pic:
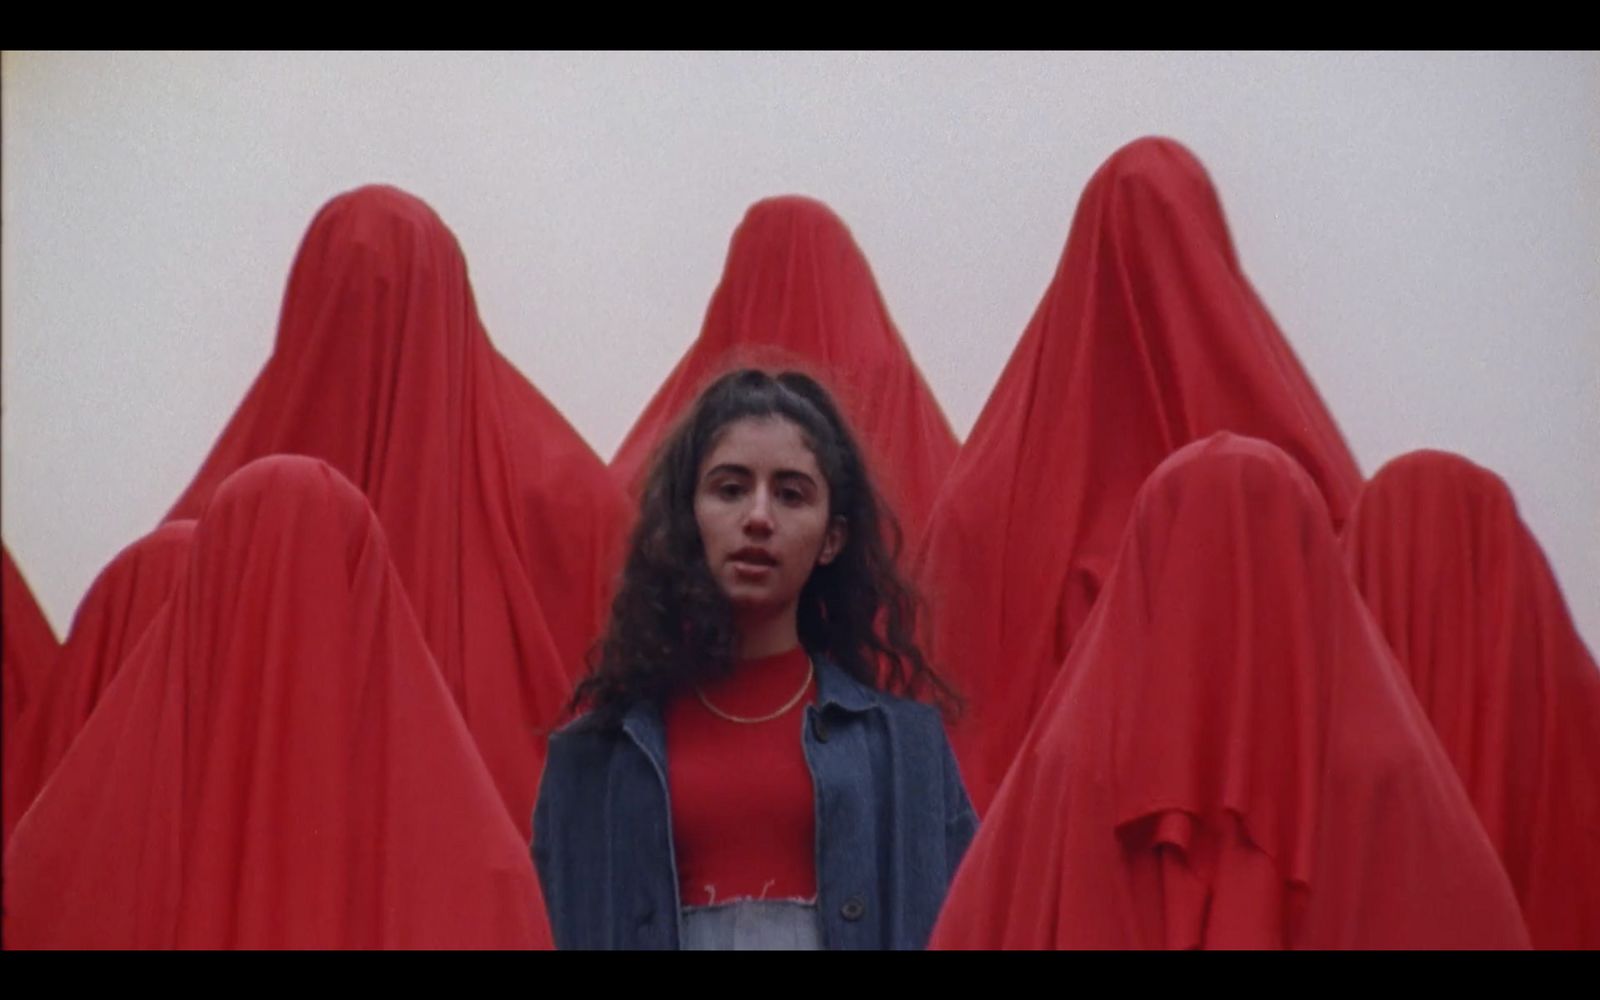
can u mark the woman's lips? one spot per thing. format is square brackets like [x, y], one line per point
[752, 564]
[751, 571]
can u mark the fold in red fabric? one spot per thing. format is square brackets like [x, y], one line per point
[1149, 337]
[29, 649]
[1230, 757]
[278, 764]
[1468, 602]
[504, 525]
[110, 619]
[796, 292]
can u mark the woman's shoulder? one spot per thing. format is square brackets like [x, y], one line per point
[911, 708]
[591, 725]
[587, 735]
[575, 753]
[838, 687]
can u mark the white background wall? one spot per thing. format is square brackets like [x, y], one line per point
[1425, 228]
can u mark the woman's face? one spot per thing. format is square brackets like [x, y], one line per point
[762, 506]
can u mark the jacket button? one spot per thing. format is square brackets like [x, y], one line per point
[819, 728]
[646, 912]
[853, 908]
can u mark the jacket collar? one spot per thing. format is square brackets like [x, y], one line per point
[835, 689]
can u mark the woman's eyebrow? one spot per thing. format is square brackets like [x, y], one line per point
[795, 474]
[734, 469]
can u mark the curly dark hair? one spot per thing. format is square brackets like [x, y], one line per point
[671, 625]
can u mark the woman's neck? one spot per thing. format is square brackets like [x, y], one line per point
[767, 636]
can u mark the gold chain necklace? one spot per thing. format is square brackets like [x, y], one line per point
[811, 669]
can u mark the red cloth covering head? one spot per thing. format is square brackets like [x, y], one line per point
[797, 293]
[30, 645]
[503, 524]
[113, 614]
[278, 764]
[1471, 609]
[1148, 337]
[1230, 757]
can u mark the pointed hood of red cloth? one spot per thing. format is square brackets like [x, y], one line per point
[796, 292]
[1230, 757]
[111, 617]
[1468, 602]
[279, 763]
[30, 645]
[1149, 337]
[502, 522]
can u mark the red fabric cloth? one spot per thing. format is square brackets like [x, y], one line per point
[278, 764]
[796, 292]
[30, 646]
[1230, 757]
[112, 616]
[1471, 609]
[504, 525]
[1148, 337]
[109, 621]
[743, 803]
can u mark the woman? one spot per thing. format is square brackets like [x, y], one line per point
[1150, 336]
[113, 614]
[503, 524]
[30, 644]
[752, 771]
[1229, 758]
[1461, 588]
[278, 763]
[796, 291]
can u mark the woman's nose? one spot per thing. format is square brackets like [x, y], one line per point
[758, 516]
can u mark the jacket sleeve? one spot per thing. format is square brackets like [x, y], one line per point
[961, 821]
[551, 831]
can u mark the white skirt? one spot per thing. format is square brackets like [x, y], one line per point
[752, 925]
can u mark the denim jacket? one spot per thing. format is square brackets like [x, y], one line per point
[893, 821]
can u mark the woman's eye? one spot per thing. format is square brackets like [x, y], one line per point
[792, 495]
[729, 491]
